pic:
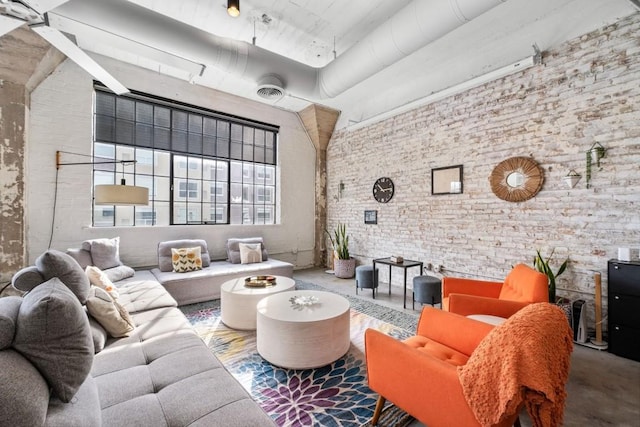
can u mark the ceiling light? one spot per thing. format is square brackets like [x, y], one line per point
[233, 8]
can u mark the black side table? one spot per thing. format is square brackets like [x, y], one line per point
[407, 263]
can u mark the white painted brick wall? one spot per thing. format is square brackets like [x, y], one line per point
[587, 90]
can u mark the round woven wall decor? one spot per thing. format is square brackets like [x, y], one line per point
[516, 179]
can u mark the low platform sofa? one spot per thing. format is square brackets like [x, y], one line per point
[205, 284]
[60, 368]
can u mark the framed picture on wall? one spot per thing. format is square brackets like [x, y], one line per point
[370, 217]
[447, 180]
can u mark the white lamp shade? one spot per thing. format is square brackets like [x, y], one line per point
[120, 194]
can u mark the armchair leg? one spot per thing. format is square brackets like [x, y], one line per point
[378, 410]
[517, 423]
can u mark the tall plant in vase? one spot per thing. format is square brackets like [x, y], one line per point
[542, 265]
[343, 265]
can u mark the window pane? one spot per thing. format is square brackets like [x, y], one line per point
[179, 212]
[161, 188]
[144, 135]
[161, 138]
[180, 166]
[195, 144]
[195, 123]
[144, 113]
[124, 132]
[124, 216]
[145, 215]
[180, 120]
[105, 129]
[103, 216]
[105, 104]
[236, 193]
[125, 109]
[179, 141]
[236, 172]
[162, 212]
[161, 116]
[162, 162]
[236, 214]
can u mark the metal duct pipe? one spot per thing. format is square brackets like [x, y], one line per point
[414, 26]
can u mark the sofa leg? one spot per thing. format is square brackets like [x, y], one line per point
[378, 410]
[517, 423]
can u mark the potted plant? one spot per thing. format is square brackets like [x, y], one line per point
[343, 265]
[542, 265]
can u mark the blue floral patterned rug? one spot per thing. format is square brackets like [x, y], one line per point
[334, 395]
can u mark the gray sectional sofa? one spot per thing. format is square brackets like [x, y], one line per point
[61, 368]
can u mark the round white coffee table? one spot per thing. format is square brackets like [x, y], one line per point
[238, 302]
[299, 336]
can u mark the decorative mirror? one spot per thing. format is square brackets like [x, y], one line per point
[516, 179]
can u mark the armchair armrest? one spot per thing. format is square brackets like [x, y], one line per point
[470, 304]
[441, 326]
[483, 288]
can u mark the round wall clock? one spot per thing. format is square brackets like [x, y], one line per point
[383, 189]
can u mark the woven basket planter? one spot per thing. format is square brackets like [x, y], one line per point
[344, 268]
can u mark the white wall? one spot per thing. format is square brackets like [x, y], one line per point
[61, 119]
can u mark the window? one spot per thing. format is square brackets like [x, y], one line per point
[201, 166]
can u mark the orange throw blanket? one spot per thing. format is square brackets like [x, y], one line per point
[526, 359]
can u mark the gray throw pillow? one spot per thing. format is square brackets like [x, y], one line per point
[9, 307]
[54, 263]
[121, 272]
[27, 278]
[53, 333]
[83, 256]
[233, 248]
[105, 253]
[24, 397]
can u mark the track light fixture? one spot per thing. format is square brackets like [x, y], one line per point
[233, 8]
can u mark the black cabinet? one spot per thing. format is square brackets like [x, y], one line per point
[624, 308]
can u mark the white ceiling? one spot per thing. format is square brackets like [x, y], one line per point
[308, 31]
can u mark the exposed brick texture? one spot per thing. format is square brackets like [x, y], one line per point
[586, 91]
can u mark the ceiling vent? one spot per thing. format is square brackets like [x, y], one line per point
[270, 87]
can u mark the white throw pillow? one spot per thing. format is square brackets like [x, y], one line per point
[113, 317]
[100, 279]
[250, 253]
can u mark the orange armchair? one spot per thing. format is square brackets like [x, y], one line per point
[522, 286]
[456, 371]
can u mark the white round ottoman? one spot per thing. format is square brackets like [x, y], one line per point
[238, 302]
[294, 335]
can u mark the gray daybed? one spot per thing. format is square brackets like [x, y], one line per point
[205, 284]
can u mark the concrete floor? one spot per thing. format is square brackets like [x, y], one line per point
[603, 389]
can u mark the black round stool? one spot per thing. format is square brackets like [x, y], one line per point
[365, 278]
[426, 290]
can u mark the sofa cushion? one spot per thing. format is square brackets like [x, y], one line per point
[27, 278]
[121, 272]
[233, 249]
[141, 295]
[25, 394]
[186, 259]
[9, 308]
[83, 256]
[98, 334]
[54, 263]
[53, 334]
[105, 253]
[111, 315]
[250, 253]
[164, 252]
[83, 410]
